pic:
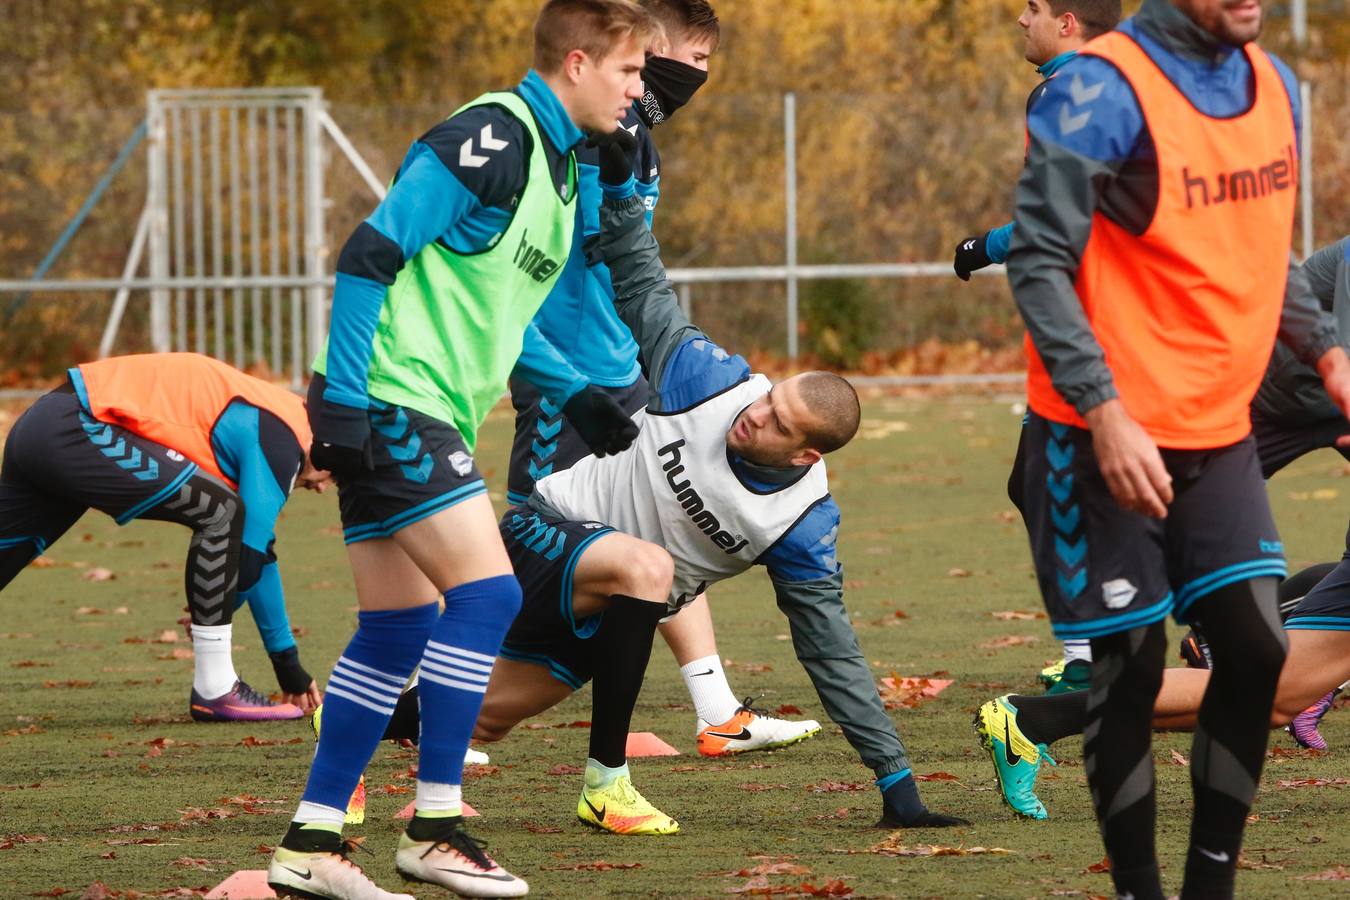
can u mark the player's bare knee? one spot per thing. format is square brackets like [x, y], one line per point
[492, 726]
[648, 572]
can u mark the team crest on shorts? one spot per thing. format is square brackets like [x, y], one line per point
[175, 456]
[1118, 593]
[461, 462]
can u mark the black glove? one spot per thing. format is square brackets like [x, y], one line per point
[343, 462]
[341, 437]
[600, 421]
[971, 254]
[616, 149]
[290, 674]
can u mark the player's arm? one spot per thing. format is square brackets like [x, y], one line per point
[982, 250]
[439, 187]
[809, 585]
[265, 457]
[1084, 132]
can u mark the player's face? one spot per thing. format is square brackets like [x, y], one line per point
[1040, 29]
[696, 52]
[607, 88]
[1231, 21]
[769, 432]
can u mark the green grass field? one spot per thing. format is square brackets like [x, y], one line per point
[104, 778]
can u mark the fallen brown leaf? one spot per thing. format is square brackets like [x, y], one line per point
[1099, 868]
[746, 666]
[754, 787]
[30, 664]
[98, 574]
[894, 845]
[1314, 782]
[1011, 640]
[598, 866]
[542, 829]
[958, 573]
[835, 787]
[42, 562]
[787, 709]
[167, 636]
[1340, 873]
[1017, 615]
[1177, 759]
[564, 769]
[937, 776]
[70, 683]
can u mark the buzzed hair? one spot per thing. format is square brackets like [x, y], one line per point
[1096, 17]
[834, 404]
[686, 19]
[594, 27]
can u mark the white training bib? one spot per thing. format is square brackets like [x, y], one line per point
[675, 488]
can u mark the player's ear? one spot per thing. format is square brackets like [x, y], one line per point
[574, 63]
[807, 456]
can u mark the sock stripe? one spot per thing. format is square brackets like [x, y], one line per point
[456, 661]
[470, 655]
[453, 683]
[453, 671]
[364, 685]
[383, 709]
[395, 680]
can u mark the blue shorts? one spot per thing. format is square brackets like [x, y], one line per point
[1327, 606]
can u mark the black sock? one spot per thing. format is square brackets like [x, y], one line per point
[428, 828]
[622, 647]
[1118, 753]
[406, 722]
[1046, 718]
[311, 840]
[1248, 646]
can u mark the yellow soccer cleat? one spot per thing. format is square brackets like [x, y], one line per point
[356, 805]
[618, 807]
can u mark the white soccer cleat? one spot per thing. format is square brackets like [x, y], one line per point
[323, 876]
[750, 730]
[457, 861]
[474, 757]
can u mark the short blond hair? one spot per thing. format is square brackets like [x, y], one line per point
[594, 27]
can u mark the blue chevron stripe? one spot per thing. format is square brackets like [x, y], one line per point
[133, 461]
[1060, 488]
[1059, 430]
[1072, 587]
[421, 473]
[1059, 455]
[394, 429]
[546, 431]
[1071, 554]
[150, 472]
[543, 451]
[1066, 523]
[548, 408]
[537, 472]
[540, 540]
[559, 544]
[408, 451]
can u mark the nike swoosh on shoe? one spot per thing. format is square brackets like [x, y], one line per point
[744, 735]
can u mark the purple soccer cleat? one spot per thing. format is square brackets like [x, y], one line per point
[241, 704]
[1304, 726]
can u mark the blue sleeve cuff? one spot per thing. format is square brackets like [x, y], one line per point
[620, 191]
[996, 243]
[893, 779]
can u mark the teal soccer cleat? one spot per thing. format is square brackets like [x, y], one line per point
[1017, 761]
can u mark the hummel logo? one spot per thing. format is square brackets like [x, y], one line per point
[598, 813]
[1217, 857]
[744, 734]
[968, 245]
[307, 875]
[1009, 754]
[471, 160]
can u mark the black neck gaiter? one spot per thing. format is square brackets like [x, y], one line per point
[669, 84]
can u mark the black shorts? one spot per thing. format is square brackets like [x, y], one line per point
[60, 461]
[545, 441]
[1104, 570]
[544, 551]
[1280, 443]
[422, 467]
[1327, 606]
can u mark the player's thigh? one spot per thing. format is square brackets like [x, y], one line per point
[30, 522]
[387, 578]
[1318, 662]
[516, 691]
[617, 563]
[457, 545]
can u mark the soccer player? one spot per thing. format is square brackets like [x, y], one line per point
[435, 293]
[726, 472]
[1150, 264]
[1053, 30]
[174, 437]
[587, 350]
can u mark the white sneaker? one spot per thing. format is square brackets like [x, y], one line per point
[323, 876]
[474, 757]
[751, 730]
[458, 862]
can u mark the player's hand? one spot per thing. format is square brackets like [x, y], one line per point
[615, 148]
[308, 700]
[341, 439]
[600, 421]
[292, 677]
[971, 254]
[342, 462]
[1129, 461]
[1334, 367]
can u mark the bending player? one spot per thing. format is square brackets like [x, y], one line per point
[1153, 295]
[182, 438]
[726, 473]
[1053, 30]
[435, 293]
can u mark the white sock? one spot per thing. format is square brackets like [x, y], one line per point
[708, 688]
[1076, 650]
[213, 661]
[433, 796]
[599, 775]
[315, 814]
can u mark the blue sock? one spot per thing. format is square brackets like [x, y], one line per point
[455, 670]
[361, 694]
